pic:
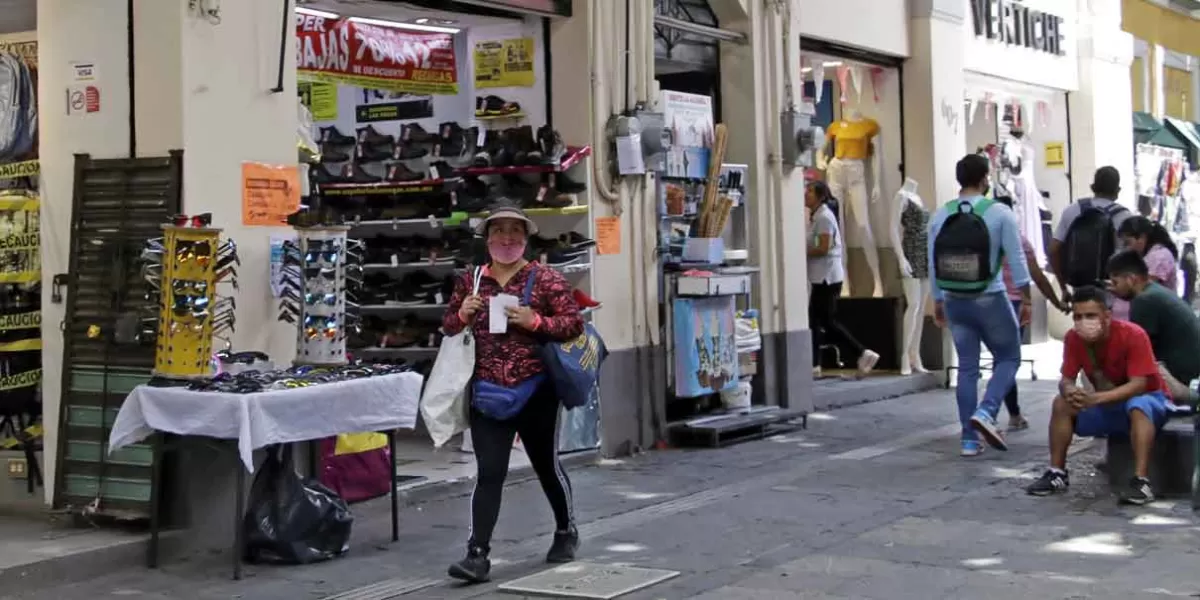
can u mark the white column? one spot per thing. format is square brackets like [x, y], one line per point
[935, 125]
[1194, 69]
[754, 80]
[1158, 81]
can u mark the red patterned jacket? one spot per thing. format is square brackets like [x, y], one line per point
[509, 358]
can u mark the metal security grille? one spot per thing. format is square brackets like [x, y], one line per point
[118, 205]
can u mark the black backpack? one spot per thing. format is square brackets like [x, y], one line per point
[1091, 240]
[962, 250]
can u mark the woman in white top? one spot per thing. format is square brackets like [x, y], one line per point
[826, 275]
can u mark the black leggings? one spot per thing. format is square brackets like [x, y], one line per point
[822, 318]
[1010, 399]
[537, 424]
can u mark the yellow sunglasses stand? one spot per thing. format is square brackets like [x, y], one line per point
[187, 299]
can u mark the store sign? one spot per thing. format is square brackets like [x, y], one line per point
[375, 56]
[1015, 24]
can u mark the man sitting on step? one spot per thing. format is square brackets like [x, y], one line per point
[1173, 328]
[1130, 398]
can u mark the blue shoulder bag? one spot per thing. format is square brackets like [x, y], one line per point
[574, 365]
[500, 402]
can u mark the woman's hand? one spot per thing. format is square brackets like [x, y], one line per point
[470, 307]
[522, 316]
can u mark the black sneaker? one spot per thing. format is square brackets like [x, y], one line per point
[416, 134]
[351, 173]
[368, 136]
[475, 568]
[566, 543]
[332, 137]
[1051, 482]
[403, 151]
[1139, 493]
[551, 145]
[374, 153]
[330, 155]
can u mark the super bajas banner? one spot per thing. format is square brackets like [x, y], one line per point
[375, 56]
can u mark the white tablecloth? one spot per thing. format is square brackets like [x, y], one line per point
[274, 417]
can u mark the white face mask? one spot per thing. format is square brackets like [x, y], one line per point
[1089, 329]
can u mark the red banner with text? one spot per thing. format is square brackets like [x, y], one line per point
[375, 56]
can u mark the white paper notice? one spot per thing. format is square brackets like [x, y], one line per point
[497, 320]
[629, 155]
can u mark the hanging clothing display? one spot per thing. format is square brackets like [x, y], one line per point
[1017, 159]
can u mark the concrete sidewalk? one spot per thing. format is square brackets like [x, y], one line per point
[871, 502]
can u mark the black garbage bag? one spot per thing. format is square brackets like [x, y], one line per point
[293, 520]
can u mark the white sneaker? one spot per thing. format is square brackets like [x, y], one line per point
[866, 362]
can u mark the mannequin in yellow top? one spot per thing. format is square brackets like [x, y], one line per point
[856, 142]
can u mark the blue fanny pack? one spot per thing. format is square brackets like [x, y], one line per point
[502, 403]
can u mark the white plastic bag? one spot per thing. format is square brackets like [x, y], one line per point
[444, 400]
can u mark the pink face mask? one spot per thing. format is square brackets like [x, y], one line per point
[506, 252]
[1089, 329]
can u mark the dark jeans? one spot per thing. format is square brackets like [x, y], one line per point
[822, 318]
[1010, 400]
[537, 424]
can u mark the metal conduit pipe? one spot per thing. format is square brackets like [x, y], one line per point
[600, 108]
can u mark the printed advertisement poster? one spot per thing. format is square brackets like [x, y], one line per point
[689, 119]
[269, 193]
[504, 63]
[706, 359]
[375, 56]
[321, 100]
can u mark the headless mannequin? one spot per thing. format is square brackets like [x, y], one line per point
[851, 159]
[910, 238]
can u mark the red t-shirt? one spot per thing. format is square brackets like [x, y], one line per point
[1127, 353]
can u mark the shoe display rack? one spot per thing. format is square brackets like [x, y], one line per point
[414, 219]
[184, 268]
[319, 269]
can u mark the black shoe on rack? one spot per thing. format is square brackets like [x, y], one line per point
[415, 134]
[372, 153]
[495, 106]
[329, 154]
[405, 151]
[548, 197]
[564, 547]
[351, 173]
[330, 136]
[399, 172]
[441, 170]
[321, 175]
[567, 185]
[523, 146]
[369, 137]
[551, 145]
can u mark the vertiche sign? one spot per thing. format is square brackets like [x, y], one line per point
[1015, 24]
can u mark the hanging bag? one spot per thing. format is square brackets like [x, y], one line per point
[574, 365]
[443, 402]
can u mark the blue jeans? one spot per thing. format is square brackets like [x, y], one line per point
[988, 319]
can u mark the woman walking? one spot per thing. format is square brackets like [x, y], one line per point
[511, 392]
[1016, 421]
[825, 275]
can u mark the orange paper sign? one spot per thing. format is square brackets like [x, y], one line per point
[269, 193]
[608, 235]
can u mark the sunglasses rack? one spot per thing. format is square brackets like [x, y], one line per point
[318, 268]
[184, 268]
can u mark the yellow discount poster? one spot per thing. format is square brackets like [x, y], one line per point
[504, 63]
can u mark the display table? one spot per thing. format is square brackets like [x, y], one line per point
[383, 403]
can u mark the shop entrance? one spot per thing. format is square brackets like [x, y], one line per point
[438, 116]
[1025, 131]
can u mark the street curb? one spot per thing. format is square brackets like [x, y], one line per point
[96, 562]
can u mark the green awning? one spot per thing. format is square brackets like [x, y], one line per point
[1188, 131]
[1148, 130]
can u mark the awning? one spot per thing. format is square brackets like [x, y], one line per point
[1148, 130]
[1188, 131]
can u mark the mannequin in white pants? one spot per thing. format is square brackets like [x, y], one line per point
[856, 142]
[910, 238]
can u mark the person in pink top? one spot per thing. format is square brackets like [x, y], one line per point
[1015, 420]
[1152, 241]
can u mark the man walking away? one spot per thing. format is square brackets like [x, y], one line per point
[1172, 327]
[1130, 397]
[968, 239]
[1086, 236]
